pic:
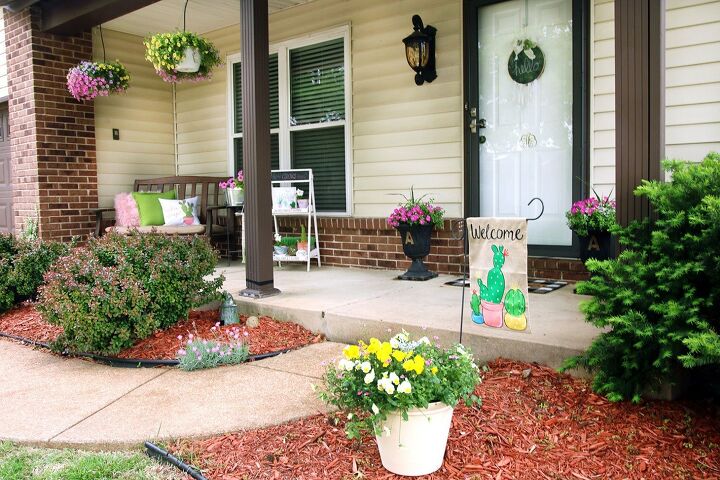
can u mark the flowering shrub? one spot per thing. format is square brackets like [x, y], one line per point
[120, 289]
[234, 182]
[198, 353]
[372, 380]
[166, 50]
[594, 213]
[417, 212]
[23, 264]
[89, 80]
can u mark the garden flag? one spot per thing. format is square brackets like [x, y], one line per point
[498, 272]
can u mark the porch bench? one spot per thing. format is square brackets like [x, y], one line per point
[206, 188]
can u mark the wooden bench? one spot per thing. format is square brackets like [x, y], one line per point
[206, 188]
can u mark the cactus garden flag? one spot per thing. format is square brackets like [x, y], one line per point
[498, 272]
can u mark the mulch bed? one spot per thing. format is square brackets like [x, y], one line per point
[269, 336]
[534, 424]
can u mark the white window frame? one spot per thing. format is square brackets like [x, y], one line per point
[284, 129]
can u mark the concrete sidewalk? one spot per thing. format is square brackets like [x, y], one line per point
[63, 402]
[349, 304]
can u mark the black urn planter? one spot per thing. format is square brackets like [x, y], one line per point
[597, 245]
[416, 246]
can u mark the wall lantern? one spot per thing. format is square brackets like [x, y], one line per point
[420, 51]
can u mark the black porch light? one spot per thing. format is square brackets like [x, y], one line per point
[420, 51]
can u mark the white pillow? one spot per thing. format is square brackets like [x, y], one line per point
[180, 212]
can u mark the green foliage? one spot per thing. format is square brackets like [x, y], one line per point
[378, 378]
[23, 264]
[303, 234]
[658, 302]
[495, 289]
[515, 302]
[166, 50]
[120, 289]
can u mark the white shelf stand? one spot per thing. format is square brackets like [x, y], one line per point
[300, 178]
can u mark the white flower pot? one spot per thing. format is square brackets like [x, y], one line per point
[190, 62]
[416, 446]
[235, 196]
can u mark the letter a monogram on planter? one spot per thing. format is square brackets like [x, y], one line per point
[498, 272]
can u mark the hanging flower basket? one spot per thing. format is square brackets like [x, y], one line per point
[181, 56]
[89, 80]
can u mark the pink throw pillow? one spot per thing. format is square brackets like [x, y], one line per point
[126, 211]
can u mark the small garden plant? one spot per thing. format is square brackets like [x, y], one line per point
[90, 80]
[166, 50]
[197, 353]
[376, 378]
[417, 211]
[658, 302]
[591, 214]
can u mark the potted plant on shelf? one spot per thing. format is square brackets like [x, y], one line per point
[181, 56]
[302, 244]
[278, 246]
[403, 392]
[234, 189]
[89, 80]
[415, 220]
[592, 219]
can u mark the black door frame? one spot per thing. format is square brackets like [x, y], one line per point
[581, 114]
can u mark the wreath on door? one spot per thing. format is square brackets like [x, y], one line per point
[527, 62]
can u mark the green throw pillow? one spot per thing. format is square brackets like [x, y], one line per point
[149, 206]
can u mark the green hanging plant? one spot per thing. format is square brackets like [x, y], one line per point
[167, 50]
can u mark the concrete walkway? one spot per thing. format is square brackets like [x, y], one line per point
[48, 400]
[349, 304]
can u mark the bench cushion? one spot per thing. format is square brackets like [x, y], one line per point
[161, 229]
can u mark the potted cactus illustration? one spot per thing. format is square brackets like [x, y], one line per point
[491, 294]
[188, 217]
[515, 310]
[477, 316]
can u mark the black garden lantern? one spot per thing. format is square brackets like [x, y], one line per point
[420, 51]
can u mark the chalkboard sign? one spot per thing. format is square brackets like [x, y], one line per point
[526, 65]
[290, 175]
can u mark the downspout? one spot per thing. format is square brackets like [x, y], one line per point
[176, 158]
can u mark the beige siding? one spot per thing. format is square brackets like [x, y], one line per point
[404, 135]
[144, 115]
[3, 59]
[692, 84]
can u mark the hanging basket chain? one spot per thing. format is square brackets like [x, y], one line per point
[185, 13]
[102, 41]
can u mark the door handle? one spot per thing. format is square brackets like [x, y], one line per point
[477, 123]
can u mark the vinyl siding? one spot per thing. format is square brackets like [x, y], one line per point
[403, 135]
[692, 61]
[144, 115]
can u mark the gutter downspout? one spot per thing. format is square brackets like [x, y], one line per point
[176, 158]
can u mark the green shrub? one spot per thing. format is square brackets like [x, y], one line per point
[23, 263]
[120, 289]
[659, 300]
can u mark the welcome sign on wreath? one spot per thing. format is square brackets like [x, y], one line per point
[527, 62]
[498, 272]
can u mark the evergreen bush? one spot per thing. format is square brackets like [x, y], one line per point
[120, 289]
[659, 301]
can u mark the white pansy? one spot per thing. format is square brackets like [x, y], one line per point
[365, 367]
[375, 409]
[404, 387]
[385, 384]
[398, 340]
[425, 340]
[394, 378]
[370, 377]
[345, 364]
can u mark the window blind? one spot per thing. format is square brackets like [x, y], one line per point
[274, 152]
[323, 150]
[274, 93]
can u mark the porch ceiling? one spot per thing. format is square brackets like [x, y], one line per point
[202, 16]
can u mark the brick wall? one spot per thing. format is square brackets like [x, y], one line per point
[371, 243]
[52, 145]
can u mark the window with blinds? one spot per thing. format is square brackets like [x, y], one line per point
[312, 96]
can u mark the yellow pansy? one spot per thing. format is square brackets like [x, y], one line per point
[351, 352]
[434, 370]
[399, 355]
[374, 345]
[416, 364]
[384, 351]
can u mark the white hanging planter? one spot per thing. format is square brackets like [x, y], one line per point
[190, 62]
[416, 446]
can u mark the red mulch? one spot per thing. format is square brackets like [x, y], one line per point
[269, 336]
[542, 426]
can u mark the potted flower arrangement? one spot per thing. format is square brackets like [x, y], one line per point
[592, 219]
[415, 220]
[89, 80]
[278, 246]
[404, 393]
[181, 56]
[234, 189]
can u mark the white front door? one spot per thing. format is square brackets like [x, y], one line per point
[6, 211]
[528, 150]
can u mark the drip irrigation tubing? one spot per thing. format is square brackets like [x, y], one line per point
[157, 452]
[131, 362]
